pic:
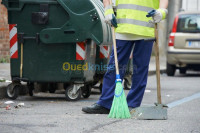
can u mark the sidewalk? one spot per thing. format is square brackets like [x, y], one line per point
[152, 65]
[5, 73]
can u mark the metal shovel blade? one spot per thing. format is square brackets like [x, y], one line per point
[157, 112]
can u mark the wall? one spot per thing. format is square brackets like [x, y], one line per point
[191, 5]
[4, 33]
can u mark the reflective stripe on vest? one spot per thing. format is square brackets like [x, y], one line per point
[146, 3]
[135, 22]
[134, 7]
[131, 17]
[108, 7]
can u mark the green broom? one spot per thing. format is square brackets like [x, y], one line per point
[119, 107]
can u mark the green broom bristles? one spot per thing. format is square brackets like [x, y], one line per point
[119, 107]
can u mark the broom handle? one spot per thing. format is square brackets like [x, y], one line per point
[157, 65]
[115, 51]
[115, 47]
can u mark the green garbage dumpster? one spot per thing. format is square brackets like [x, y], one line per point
[55, 41]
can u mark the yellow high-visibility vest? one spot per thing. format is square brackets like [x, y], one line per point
[131, 17]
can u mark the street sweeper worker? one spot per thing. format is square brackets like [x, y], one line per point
[132, 28]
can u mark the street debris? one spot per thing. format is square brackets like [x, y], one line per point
[8, 102]
[19, 105]
[8, 107]
[8, 81]
[140, 114]
[147, 91]
[2, 79]
[168, 95]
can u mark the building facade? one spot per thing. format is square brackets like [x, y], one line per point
[191, 5]
[4, 34]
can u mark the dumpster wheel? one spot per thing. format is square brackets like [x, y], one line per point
[30, 88]
[52, 87]
[13, 90]
[73, 93]
[86, 91]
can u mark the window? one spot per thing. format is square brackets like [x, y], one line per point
[189, 23]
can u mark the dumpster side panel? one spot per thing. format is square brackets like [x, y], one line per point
[43, 63]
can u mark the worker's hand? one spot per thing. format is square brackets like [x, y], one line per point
[110, 17]
[159, 15]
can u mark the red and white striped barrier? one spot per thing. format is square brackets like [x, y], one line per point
[13, 41]
[80, 51]
[104, 52]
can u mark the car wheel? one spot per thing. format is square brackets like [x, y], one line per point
[171, 69]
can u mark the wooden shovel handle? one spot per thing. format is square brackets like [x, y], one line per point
[157, 65]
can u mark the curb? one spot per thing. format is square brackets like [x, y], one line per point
[153, 72]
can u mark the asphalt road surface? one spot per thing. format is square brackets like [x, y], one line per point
[53, 114]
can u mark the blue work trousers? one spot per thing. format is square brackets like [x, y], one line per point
[141, 57]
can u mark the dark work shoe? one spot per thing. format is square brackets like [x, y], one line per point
[95, 109]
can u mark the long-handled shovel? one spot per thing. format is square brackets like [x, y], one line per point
[159, 111]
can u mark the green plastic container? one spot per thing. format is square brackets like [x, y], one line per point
[48, 32]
